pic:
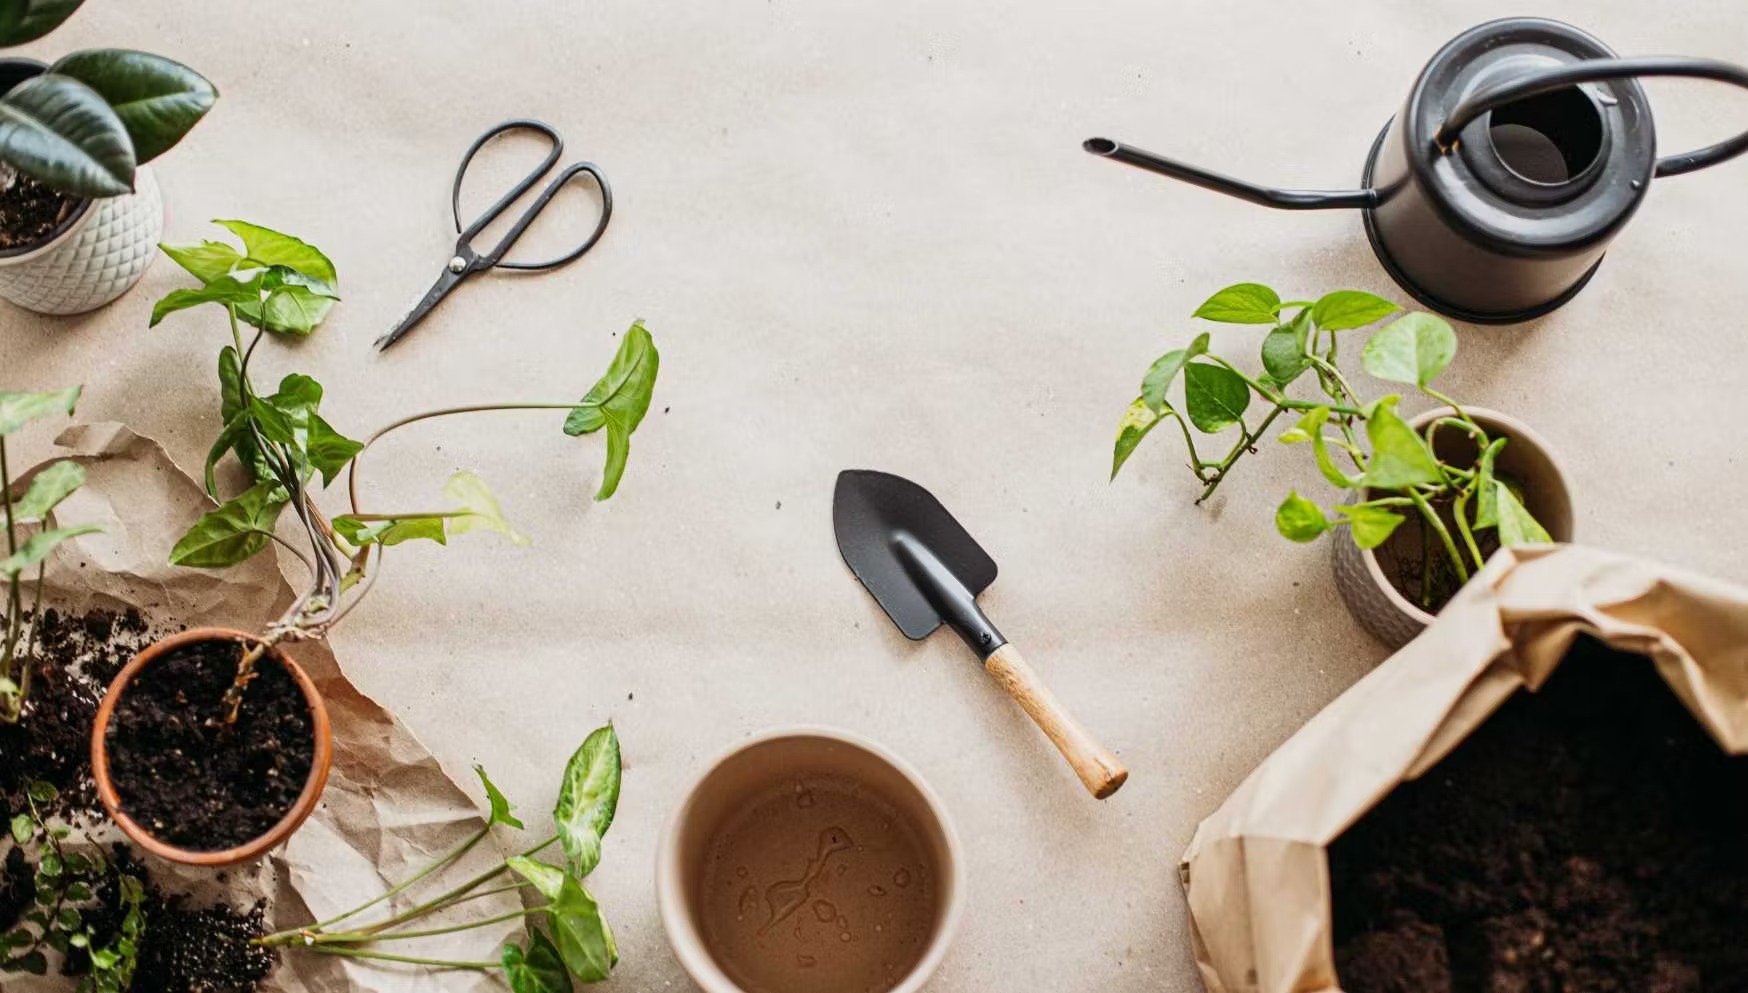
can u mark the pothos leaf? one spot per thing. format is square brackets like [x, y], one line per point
[1345, 309]
[19, 409]
[1214, 396]
[1243, 303]
[1283, 350]
[499, 803]
[618, 402]
[587, 799]
[1165, 369]
[1370, 526]
[1137, 421]
[1413, 349]
[233, 531]
[1298, 519]
[1516, 526]
[1310, 429]
[1486, 500]
[1400, 458]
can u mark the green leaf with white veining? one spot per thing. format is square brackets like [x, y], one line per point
[1137, 421]
[499, 803]
[1486, 500]
[157, 99]
[38, 546]
[19, 409]
[480, 508]
[587, 799]
[1243, 303]
[205, 260]
[1400, 458]
[1516, 525]
[47, 489]
[28, 20]
[1345, 309]
[1165, 369]
[1283, 350]
[1298, 519]
[1370, 526]
[1215, 397]
[618, 402]
[1412, 349]
[547, 880]
[62, 133]
[538, 969]
[233, 531]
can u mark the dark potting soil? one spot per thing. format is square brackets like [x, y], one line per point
[73, 662]
[189, 777]
[1589, 838]
[29, 211]
[201, 950]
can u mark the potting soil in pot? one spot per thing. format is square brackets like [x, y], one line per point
[29, 212]
[1588, 838]
[190, 777]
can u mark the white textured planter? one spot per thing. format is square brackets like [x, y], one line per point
[1375, 602]
[96, 257]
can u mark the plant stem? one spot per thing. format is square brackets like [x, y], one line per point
[422, 515]
[9, 651]
[1444, 534]
[1333, 408]
[452, 855]
[452, 896]
[1460, 509]
[1245, 440]
[363, 953]
[354, 938]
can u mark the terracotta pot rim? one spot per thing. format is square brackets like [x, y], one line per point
[682, 934]
[1511, 428]
[75, 220]
[293, 819]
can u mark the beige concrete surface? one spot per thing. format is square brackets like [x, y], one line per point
[865, 235]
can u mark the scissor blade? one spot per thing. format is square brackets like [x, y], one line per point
[436, 293]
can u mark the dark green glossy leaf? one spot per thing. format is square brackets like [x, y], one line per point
[62, 133]
[618, 402]
[1283, 351]
[205, 260]
[1344, 309]
[233, 531]
[500, 804]
[1244, 303]
[587, 799]
[28, 20]
[360, 533]
[1516, 525]
[1215, 397]
[19, 409]
[47, 489]
[1165, 369]
[1370, 526]
[1412, 349]
[1400, 458]
[228, 290]
[38, 546]
[1137, 421]
[1298, 519]
[584, 940]
[158, 100]
[540, 969]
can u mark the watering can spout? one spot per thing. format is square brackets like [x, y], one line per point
[1265, 195]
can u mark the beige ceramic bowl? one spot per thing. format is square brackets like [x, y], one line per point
[775, 757]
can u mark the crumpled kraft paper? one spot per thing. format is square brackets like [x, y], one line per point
[1256, 873]
[388, 807]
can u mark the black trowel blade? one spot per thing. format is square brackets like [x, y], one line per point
[870, 512]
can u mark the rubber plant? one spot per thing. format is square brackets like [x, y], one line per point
[577, 942]
[1394, 464]
[86, 123]
[280, 284]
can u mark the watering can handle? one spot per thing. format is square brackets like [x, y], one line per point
[1594, 70]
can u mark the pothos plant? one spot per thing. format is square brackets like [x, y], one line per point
[30, 539]
[1395, 469]
[93, 117]
[67, 912]
[280, 284]
[577, 942]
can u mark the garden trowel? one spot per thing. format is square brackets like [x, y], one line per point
[924, 569]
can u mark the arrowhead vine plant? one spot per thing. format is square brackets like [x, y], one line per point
[279, 284]
[577, 942]
[84, 125]
[1393, 470]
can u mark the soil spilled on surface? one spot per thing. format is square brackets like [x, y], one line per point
[192, 779]
[1589, 838]
[29, 211]
[205, 949]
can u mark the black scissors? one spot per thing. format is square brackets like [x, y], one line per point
[466, 261]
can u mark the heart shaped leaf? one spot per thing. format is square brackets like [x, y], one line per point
[1344, 309]
[618, 402]
[1243, 303]
[1298, 519]
[1412, 349]
[1215, 396]
[1137, 421]
[1165, 369]
[1400, 458]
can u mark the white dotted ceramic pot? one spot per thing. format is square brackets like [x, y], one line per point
[96, 255]
[1365, 586]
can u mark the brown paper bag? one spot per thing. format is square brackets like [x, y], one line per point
[1256, 873]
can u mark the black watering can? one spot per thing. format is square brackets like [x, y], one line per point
[1523, 148]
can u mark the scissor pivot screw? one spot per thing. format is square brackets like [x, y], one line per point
[457, 264]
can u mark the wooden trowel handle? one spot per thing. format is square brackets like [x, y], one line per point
[1101, 771]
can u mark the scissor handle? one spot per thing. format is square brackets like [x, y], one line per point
[495, 257]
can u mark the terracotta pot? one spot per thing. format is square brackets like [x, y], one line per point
[98, 253]
[293, 819]
[780, 757]
[1375, 601]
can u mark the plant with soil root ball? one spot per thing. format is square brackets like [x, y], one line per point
[35, 508]
[84, 125]
[577, 942]
[1403, 479]
[278, 283]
